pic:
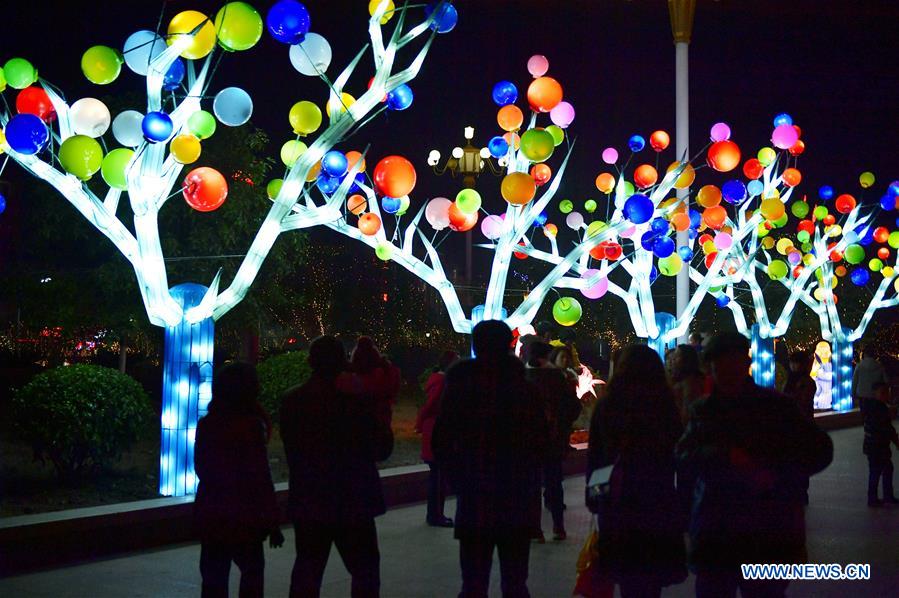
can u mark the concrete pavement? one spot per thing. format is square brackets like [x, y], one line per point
[419, 561]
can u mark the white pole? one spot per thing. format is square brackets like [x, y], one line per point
[682, 145]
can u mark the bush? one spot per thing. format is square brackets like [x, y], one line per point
[279, 373]
[80, 417]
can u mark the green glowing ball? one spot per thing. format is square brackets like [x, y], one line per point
[567, 311]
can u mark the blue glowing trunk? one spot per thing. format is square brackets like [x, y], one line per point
[665, 322]
[762, 358]
[841, 357]
[186, 392]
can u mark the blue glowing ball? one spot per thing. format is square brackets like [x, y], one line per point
[504, 93]
[359, 179]
[825, 192]
[692, 233]
[653, 274]
[685, 253]
[445, 18]
[334, 163]
[26, 134]
[636, 143]
[391, 205]
[2, 203]
[648, 240]
[157, 127]
[327, 184]
[860, 277]
[663, 247]
[754, 188]
[498, 147]
[867, 235]
[695, 219]
[174, 76]
[887, 202]
[288, 21]
[893, 189]
[783, 119]
[734, 191]
[659, 226]
[638, 208]
[722, 300]
[540, 220]
[400, 98]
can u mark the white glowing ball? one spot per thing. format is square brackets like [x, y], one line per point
[90, 117]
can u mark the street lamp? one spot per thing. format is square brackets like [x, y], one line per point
[467, 162]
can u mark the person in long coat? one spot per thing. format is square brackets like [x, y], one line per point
[235, 507]
[334, 434]
[490, 438]
[424, 424]
[634, 429]
[750, 451]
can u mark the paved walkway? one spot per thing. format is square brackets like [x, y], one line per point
[419, 561]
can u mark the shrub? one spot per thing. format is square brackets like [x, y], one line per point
[279, 373]
[80, 417]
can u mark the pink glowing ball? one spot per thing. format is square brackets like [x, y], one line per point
[610, 155]
[720, 132]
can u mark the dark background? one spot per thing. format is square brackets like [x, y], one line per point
[831, 65]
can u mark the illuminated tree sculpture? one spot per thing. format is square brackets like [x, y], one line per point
[851, 259]
[157, 145]
[524, 158]
[773, 250]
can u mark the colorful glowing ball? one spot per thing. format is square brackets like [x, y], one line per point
[369, 224]
[723, 156]
[157, 127]
[394, 176]
[636, 143]
[638, 208]
[288, 21]
[205, 189]
[845, 203]
[544, 94]
[659, 140]
[734, 191]
[34, 100]
[504, 93]
[784, 136]
[538, 65]
[334, 163]
[537, 145]
[825, 192]
[567, 311]
[610, 155]
[791, 177]
[81, 156]
[492, 227]
[596, 290]
[197, 28]
[866, 179]
[444, 19]
[518, 188]
[468, 201]
[708, 196]
[645, 176]
[605, 182]
[26, 134]
[114, 167]
[400, 97]
[459, 221]
[720, 132]
[498, 147]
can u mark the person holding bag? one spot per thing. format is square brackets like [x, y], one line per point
[633, 432]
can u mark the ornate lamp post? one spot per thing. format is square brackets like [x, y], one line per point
[467, 162]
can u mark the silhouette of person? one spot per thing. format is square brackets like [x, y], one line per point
[634, 428]
[333, 436]
[560, 405]
[879, 434]
[235, 507]
[424, 424]
[380, 378]
[749, 450]
[490, 437]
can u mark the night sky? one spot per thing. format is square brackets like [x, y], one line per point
[831, 65]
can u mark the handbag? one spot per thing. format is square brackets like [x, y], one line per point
[604, 486]
[592, 581]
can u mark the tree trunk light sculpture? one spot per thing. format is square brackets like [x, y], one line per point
[149, 173]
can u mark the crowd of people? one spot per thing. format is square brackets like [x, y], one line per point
[691, 465]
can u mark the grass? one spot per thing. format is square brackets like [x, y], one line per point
[28, 486]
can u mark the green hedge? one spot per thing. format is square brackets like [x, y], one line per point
[279, 373]
[80, 417]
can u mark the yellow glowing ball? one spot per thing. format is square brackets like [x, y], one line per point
[200, 43]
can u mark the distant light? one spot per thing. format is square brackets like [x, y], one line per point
[469, 133]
